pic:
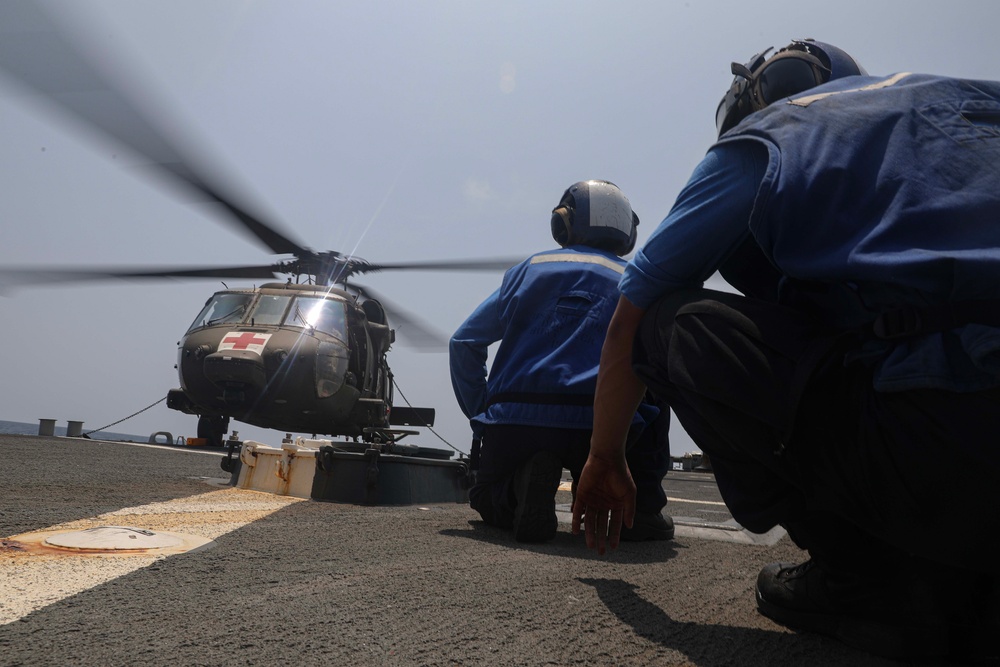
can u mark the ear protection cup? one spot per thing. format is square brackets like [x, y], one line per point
[632, 236]
[562, 225]
[786, 84]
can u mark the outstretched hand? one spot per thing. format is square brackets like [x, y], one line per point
[605, 498]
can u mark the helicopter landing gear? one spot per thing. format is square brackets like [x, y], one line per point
[386, 440]
[385, 436]
[213, 429]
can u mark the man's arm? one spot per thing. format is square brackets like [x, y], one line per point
[468, 353]
[606, 487]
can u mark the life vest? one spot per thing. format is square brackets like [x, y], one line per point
[882, 195]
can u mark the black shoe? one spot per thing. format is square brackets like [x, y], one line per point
[648, 526]
[535, 486]
[888, 616]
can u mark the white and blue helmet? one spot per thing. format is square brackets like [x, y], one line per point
[597, 214]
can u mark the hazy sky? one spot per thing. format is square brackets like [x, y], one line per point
[395, 130]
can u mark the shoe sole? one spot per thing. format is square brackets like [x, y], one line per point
[900, 642]
[642, 531]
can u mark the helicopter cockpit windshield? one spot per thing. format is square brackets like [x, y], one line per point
[313, 313]
[222, 308]
[270, 309]
[319, 314]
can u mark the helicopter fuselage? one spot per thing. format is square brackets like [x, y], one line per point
[296, 358]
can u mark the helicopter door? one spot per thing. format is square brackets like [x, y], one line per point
[371, 366]
[358, 351]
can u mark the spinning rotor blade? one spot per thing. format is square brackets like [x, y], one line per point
[413, 331]
[36, 53]
[211, 272]
[13, 278]
[495, 264]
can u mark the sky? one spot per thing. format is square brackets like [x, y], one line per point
[396, 131]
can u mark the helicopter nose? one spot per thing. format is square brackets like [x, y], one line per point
[236, 369]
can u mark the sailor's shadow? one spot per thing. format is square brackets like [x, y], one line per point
[703, 644]
[566, 544]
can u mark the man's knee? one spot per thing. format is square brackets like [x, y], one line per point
[673, 326]
[652, 341]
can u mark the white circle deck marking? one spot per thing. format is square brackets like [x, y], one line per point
[31, 579]
[116, 538]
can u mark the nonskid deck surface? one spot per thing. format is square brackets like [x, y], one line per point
[280, 580]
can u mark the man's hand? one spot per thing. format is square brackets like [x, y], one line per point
[605, 483]
[605, 498]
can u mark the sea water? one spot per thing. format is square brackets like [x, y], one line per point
[27, 428]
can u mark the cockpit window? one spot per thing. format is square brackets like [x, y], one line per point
[269, 309]
[222, 308]
[327, 315]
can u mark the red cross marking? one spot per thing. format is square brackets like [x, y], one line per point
[244, 340]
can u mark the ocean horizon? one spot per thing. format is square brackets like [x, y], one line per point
[31, 428]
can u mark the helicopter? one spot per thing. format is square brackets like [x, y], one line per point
[308, 354]
[292, 357]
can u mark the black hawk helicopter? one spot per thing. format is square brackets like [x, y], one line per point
[304, 355]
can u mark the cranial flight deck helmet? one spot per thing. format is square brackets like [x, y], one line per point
[799, 66]
[595, 213]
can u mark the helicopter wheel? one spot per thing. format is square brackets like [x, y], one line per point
[213, 429]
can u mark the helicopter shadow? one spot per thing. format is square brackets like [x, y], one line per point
[567, 545]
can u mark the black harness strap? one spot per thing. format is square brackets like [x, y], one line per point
[542, 399]
[474, 454]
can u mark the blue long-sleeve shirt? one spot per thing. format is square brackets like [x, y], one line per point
[550, 316]
[709, 220]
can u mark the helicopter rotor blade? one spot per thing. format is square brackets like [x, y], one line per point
[16, 278]
[412, 331]
[37, 54]
[210, 272]
[492, 264]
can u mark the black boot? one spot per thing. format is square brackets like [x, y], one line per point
[648, 526]
[896, 614]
